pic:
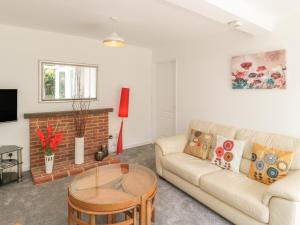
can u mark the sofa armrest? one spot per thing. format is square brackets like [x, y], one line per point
[165, 146]
[172, 144]
[287, 188]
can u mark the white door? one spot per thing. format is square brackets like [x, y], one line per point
[166, 99]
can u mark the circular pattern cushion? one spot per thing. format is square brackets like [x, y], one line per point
[269, 164]
[228, 153]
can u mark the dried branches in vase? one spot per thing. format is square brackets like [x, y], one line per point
[81, 111]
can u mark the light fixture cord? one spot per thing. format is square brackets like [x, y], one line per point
[113, 26]
[113, 20]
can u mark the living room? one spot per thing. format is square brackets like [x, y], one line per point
[167, 84]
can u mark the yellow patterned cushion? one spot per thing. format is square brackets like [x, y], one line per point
[269, 164]
[199, 144]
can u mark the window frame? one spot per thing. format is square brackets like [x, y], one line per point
[41, 80]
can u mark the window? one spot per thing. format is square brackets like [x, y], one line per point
[67, 81]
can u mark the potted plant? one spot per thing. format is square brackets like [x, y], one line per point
[81, 110]
[49, 145]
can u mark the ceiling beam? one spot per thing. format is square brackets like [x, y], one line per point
[255, 22]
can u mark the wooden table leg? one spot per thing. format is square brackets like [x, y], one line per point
[143, 212]
[110, 218]
[149, 212]
[153, 215]
[92, 220]
[69, 216]
[134, 216]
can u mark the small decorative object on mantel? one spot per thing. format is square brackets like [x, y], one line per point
[81, 110]
[100, 155]
[104, 149]
[259, 71]
[123, 113]
[49, 145]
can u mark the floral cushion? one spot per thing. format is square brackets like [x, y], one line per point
[269, 164]
[199, 144]
[228, 153]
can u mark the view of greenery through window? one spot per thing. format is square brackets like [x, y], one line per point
[49, 81]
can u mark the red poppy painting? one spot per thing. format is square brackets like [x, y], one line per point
[259, 71]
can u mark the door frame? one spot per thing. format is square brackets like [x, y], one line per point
[154, 96]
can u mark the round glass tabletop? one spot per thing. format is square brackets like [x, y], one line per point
[113, 184]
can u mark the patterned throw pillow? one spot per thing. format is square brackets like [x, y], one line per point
[199, 144]
[269, 164]
[228, 153]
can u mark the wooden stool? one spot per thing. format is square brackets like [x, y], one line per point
[75, 216]
[150, 216]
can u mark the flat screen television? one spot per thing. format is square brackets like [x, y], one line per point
[8, 105]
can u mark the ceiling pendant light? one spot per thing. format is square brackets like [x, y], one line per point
[114, 40]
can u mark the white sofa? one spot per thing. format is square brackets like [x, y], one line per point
[233, 195]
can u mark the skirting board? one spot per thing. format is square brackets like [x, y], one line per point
[138, 144]
[135, 145]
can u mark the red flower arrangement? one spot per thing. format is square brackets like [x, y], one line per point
[51, 141]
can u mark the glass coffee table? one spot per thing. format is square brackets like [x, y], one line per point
[111, 190]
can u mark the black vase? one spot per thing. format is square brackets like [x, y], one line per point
[99, 156]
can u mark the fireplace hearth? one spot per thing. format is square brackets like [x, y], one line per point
[96, 135]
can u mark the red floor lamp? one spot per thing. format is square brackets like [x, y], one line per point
[123, 113]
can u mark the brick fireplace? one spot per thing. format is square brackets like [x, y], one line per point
[95, 136]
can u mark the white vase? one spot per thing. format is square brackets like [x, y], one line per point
[49, 159]
[79, 150]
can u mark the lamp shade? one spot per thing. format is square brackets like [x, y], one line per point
[124, 103]
[114, 40]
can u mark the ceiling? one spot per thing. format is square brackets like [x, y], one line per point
[276, 9]
[148, 23]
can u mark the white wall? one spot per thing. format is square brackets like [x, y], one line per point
[204, 81]
[20, 50]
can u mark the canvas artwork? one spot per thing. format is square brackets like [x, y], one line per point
[259, 71]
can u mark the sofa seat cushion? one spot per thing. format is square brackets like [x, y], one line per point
[188, 167]
[238, 191]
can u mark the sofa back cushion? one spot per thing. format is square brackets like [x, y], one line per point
[282, 142]
[214, 129]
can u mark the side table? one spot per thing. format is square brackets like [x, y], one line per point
[10, 156]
